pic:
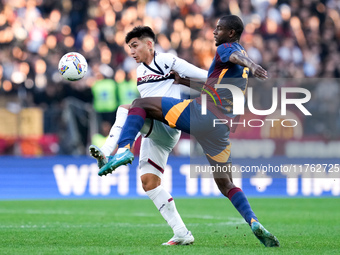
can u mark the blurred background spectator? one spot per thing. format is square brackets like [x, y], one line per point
[291, 39]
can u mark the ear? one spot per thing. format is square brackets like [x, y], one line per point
[232, 33]
[149, 43]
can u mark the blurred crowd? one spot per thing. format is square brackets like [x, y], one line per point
[291, 39]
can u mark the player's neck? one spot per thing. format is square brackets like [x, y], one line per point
[233, 41]
[150, 58]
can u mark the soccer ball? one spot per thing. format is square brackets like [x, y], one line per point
[72, 66]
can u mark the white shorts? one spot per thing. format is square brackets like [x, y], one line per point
[156, 147]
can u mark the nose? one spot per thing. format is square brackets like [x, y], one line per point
[214, 32]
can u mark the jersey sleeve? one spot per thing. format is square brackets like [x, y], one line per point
[185, 69]
[225, 50]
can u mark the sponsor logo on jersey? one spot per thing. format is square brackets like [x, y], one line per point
[154, 78]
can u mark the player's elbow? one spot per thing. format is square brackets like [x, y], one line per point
[234, 58]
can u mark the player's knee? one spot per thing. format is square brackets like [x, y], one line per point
[139, 102]
[145, 103]
[149, 186]
[135, 103]
[224, 185]
[150, 182]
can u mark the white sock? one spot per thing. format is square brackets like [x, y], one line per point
[111, 142]
[166, 206]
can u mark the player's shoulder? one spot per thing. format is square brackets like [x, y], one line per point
[229, 46]
[164, 55]
[166, 58]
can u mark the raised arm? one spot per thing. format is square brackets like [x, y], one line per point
[257, 70]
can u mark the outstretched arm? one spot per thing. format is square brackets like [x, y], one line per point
[257, 70]
[185, 69]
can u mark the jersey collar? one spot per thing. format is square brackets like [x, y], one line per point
[159, 71]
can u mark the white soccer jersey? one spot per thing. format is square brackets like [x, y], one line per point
[154, 80]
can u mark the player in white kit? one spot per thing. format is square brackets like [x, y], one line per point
[153, 80]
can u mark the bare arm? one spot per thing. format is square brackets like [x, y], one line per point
[196, 84]
[257, 70]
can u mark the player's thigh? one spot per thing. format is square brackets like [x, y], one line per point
[152, 106]
[164, 136]
[153, 157]
[176, 113]
[147, 127]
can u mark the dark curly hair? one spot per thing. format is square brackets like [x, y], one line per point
[234, 22]
[140, 33]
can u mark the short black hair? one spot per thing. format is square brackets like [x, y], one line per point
[234, 22]
[140, 32]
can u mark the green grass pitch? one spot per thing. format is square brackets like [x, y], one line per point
[303, 226]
